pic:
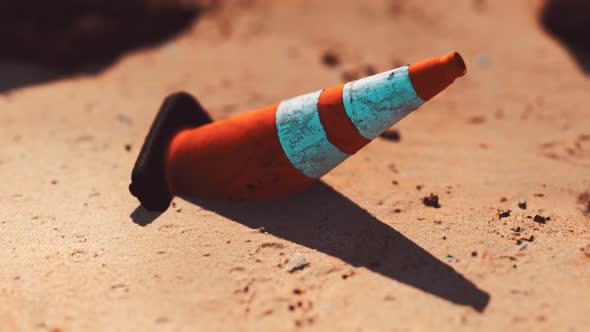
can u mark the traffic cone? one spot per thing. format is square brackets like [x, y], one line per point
[280, 149]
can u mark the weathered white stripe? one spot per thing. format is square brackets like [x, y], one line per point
[303, 137]
[377, 102]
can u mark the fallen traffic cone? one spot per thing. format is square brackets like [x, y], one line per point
[282, 148]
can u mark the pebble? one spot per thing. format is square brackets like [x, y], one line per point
[504, 214]
[522, 204]
[431, 201]
[297, 262]
[540, 219]
[452, 259]
[330, 59]
[391, 134]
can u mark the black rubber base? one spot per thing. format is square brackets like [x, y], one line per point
[148, 179]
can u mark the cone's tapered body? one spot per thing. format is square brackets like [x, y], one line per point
[282, 148]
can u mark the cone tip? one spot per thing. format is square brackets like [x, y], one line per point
[431, 76]
[454, 58]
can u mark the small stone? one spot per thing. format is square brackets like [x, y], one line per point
[504, 214]
[391, 134]
[525, 239]
[540, 219]
[431, 201]
[330, 59]
[522, 204]
[451, 259]
[297, 262]
[474, 254]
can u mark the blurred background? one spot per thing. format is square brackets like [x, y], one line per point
[47, 41]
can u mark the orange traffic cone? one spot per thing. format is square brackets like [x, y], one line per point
[282, 148]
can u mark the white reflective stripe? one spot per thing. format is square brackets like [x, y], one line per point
[303, 138]
[377, 102]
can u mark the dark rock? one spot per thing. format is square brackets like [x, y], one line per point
[330, 59]
[504, 214]
[431, 201]
[540, 219]
[391, 134]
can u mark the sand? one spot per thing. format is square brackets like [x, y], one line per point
[77, 253]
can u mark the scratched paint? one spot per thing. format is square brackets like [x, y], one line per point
[377, 102]
[303, 138]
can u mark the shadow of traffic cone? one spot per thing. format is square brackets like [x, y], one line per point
[280, 149]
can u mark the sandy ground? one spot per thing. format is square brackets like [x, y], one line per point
[77, 254]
